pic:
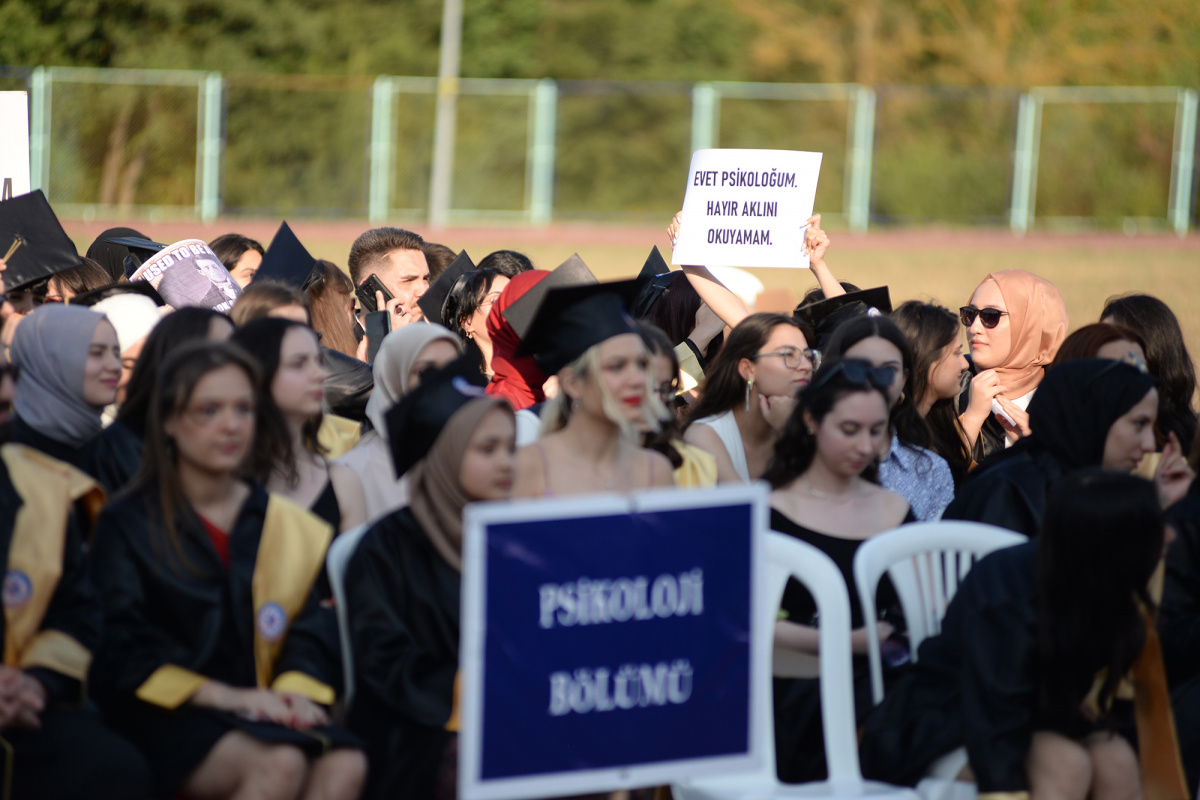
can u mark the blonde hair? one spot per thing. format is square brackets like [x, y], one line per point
[557, 411]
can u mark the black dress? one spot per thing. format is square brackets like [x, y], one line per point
[72, 754]
[170, 624]
[799, 738]
[403, 602]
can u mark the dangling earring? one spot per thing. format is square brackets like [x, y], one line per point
[901, 400]
[749, 389]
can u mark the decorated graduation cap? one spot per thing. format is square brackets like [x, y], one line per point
[824, 316]
[574, 318]
[33, 243]
[288, 261]
[435, 296]
[653, 280]
[572, 272]
[415, 423]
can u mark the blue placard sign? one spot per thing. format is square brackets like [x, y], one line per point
[608, 642]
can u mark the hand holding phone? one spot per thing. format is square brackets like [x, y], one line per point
[366, 293]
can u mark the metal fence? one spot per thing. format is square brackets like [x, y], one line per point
[165, 144]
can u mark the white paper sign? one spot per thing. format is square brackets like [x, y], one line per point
[747, 208]
[14, 144]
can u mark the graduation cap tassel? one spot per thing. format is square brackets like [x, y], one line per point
[12, 248]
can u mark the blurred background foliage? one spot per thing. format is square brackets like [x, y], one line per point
[298, 79]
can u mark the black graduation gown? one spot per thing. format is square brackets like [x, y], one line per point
[192, 619]
[1179, 627]
[975, 684]
[78, 457]
[403, 603]
[348, 385]
[116, 455]
[73, 754]
[1009, 491]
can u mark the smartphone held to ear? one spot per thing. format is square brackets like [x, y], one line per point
[366, 293]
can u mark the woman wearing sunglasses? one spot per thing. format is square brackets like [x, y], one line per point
[1087, 413]
[1015, 323]
[906, 464]
[747, 394]
[823, 476]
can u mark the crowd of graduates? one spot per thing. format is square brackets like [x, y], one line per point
[187, 427]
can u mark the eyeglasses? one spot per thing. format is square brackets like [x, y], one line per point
[792, 356]
[857, 373]
[989, 316]
[666, 393]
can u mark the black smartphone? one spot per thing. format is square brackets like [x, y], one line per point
[378, 325]
[366, 292]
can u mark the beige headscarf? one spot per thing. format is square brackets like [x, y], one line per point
[394, 361]
[1037, 318]
[437, 494]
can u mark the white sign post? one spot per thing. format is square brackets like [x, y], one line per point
[747, 208]
[14, 144]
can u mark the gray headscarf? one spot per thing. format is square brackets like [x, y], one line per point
[50, 350]
[397, 354]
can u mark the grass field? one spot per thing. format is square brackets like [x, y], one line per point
[939, 265]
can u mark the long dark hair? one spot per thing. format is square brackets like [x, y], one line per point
[1167, 358]
[263, 338]
[796, 447]
[906, 420]
[158, 475]
[674, 313]
[1101, 539]
[657, 344]
[465, 298]
[1086, 341]
[723, 386]
[929, 330]
[178, 328]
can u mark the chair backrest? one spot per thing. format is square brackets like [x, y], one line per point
[926, 562]
[790, 557]
[335, 567]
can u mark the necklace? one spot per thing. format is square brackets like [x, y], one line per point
[839, 499]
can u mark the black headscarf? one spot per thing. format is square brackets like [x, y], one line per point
[1076, 404]
[112, 256]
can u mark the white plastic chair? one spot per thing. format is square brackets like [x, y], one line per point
[788, 557]
[926, 562]
[335, 567]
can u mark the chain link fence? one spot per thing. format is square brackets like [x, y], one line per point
[180, 144]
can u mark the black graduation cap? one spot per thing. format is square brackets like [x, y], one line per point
[288, 261]
[93, 296]
[138, 249]
[653, 280]
[572, 272]
[435, 296]
[824, 316]
[574, 318]
[32, 241]
[413, 424]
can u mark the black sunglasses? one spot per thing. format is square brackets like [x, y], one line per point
[857, 373]
[989, 316]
